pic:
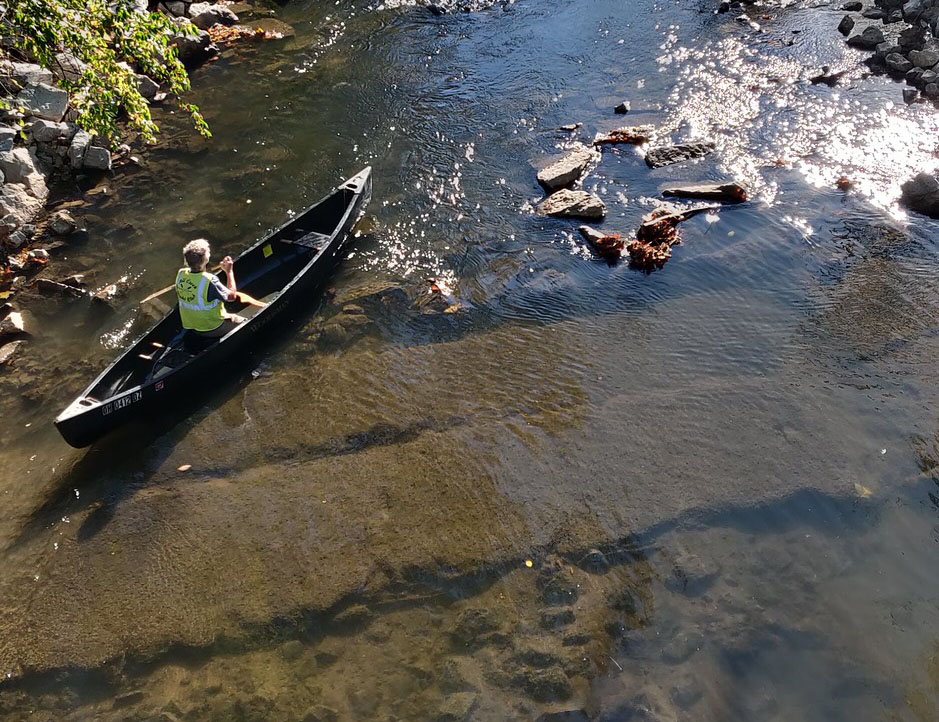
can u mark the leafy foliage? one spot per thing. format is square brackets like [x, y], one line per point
[109, 39]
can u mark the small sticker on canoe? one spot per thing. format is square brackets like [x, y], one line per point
[268, 251]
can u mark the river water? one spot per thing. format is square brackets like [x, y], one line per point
[703, 493]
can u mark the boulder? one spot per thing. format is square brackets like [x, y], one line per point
[896, 63]
[573, 204]
[175, 8]
[78, 148]
[17, 207]
[869, 39]
[846, 25]
[48, 131]
[912, 10]
[852, 6]
[874, 14]
[193, 50]
[910, 95]
[97, 158]
[921, 194]
[914, 77]
[30, 73]
[21, 166]
[667, 155]
[44, 101]
[63, 223]
[923, 58]
[729, 192]
[912, 38]
[7, 136]
[568, 169]
[68, 67]
[204, 15]
[894, 16]
[622, 108]
[147, 86]
[931, 90]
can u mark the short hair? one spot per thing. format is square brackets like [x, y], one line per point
[196, 253]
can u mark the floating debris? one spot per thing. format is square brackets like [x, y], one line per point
[233, 33]
[633, 135]
[648, 256]
[609, 246]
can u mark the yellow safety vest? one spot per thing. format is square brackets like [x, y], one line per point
[195, 309]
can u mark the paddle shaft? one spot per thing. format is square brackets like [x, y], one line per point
[171, 287]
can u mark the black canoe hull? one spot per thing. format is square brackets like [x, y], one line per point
[141, 401]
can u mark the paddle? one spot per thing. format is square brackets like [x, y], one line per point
[245, 298]
[170, 288]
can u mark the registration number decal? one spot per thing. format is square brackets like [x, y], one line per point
[120, 403]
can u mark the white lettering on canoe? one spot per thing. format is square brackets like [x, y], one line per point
[121, 402]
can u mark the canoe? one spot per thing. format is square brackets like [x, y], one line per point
[287, 268]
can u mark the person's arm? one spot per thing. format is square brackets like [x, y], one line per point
[228, 265]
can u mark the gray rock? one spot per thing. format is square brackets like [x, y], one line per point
[48, 131]
[78, 148]
[923, 58]
[921, 194]
[727, 192]
[887, 48]
[853, 6]
[8, 351]
[30, 73]
[44, 101]
[68, 67]
[910, 95]
[928, 76]
[846, 25]
[97, 158]
[874, 14]
[686, 692]
[914, 77]
[573, 204]
[17, 207]
[896, 63]
[456, 675]
[456, 707]
[7, 137]
[869, 39]
[931, 90]
[472, 625]
[667, 155]
[595, 561]
[175, 8]
[147, 86]
[912, 38]
[912, 10]
[291, 650]
[894, 16]
[568, 169]
[21, 166]
[194, 50]
[12, 325]
[204, 15]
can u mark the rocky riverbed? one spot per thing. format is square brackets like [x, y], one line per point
[491, 476]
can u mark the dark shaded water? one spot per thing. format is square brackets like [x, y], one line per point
[722, 473]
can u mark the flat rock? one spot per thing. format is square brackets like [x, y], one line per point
[44, 101]
[573, 204]
[921, 194]
[30, 73]
[729, 192]
[12, 325]
[47, 131]
[568, 169]
[670, 154]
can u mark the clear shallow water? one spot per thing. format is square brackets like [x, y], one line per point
[747, 435]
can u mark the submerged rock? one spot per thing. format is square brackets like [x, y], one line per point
[456, 707]
[670, 154]
[566, 170]
[573, 204]
[921, 194]
[545, 685]
[471, 627]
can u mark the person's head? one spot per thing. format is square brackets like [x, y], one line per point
[196, 253]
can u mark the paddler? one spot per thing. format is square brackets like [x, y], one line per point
[202, 295]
